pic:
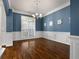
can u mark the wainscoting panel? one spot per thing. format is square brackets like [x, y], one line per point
[24, 36]
[62, 37]
[6, 39]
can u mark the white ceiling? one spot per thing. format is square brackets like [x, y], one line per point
[29, 6]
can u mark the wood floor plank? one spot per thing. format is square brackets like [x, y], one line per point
[37, 49]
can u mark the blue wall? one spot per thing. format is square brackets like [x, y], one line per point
[6, 6]
[63, 14]
[9, 16]
[75, 17]
[13, 22]
[16, 22]
[9, 21]
[39, 24]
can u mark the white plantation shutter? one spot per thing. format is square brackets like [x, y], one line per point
[27, 27]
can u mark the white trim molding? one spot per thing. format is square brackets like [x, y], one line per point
[58, 8]
[21, 12]
[1, 51]
[74, 48]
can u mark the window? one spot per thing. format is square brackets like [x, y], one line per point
[28, 26]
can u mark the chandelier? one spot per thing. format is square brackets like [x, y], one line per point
[37, 14]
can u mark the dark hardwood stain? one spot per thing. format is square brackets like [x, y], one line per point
[37, 49]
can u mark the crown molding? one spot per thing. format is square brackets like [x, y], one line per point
[58, 8]
[21, 12]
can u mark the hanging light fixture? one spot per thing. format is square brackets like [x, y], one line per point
[37, 14]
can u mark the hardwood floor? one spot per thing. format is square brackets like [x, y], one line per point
[37, 49]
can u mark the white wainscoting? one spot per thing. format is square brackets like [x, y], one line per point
[6, 39]
[23, 36]
[74, 48]
[63, 37]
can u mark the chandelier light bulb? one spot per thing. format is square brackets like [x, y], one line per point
[33, 15]
[36, 14]
[40, 15]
